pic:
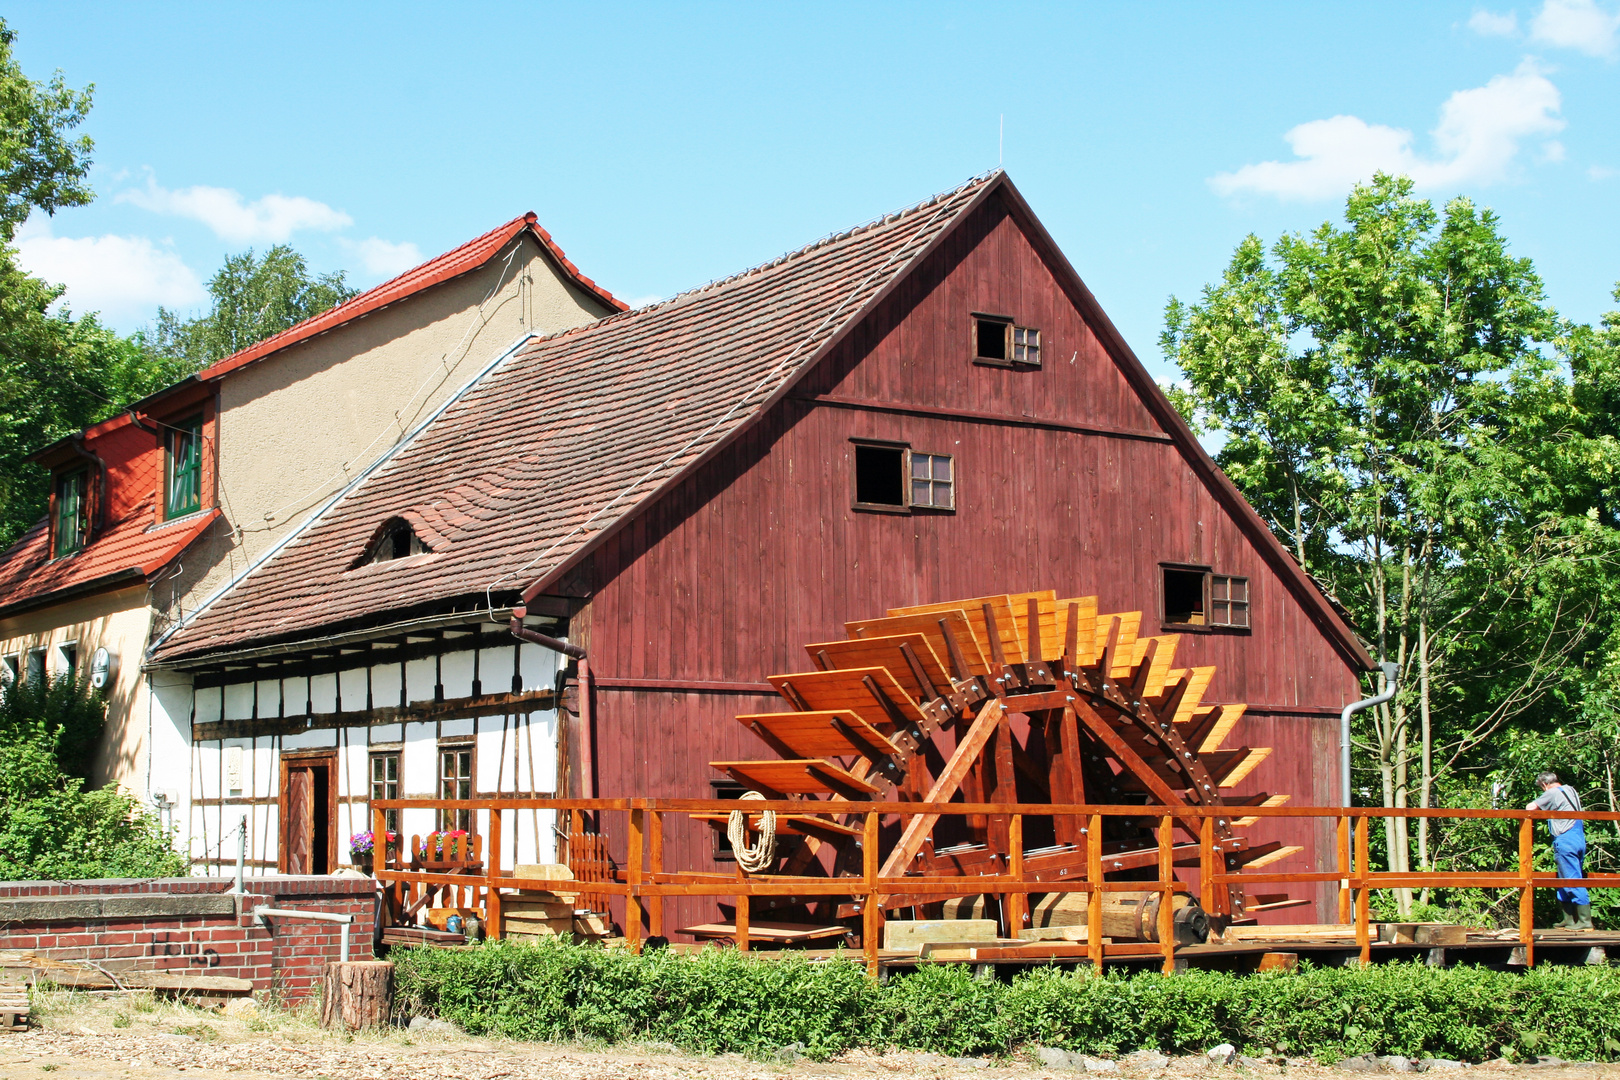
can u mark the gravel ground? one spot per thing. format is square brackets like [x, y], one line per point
[85, 1037]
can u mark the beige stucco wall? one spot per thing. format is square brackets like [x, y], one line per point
[297, 426]
[118, 622]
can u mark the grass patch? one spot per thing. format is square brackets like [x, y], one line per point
[722, 1001]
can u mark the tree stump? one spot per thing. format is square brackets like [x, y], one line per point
[357, 994]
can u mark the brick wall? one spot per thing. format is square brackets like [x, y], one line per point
[192, 925]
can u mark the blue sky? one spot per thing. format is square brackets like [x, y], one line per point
[665, 145]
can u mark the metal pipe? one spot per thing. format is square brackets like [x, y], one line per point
[261, 913]
[523, 633]
[1391, 670]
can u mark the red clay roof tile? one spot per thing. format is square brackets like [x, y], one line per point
[567, 436]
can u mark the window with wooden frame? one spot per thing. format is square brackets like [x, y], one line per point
[10, 666]
[998, 340]
[1228, 601]
[68, 654]
[895, 479]
[36, 666]
[183, 472]
[455, 782]
[70, 513]
[385, 785]
[1196, 597]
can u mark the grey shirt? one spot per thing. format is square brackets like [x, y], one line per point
[1562, 797]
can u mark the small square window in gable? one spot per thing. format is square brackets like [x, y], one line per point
[880, 476]
[999, 341]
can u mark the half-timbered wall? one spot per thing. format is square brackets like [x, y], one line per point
[240, 732]
[1065, 480]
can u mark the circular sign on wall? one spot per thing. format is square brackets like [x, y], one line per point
[101, 669]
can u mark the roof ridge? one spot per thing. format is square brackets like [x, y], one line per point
[976, 181]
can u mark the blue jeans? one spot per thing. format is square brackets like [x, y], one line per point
[1569, 848]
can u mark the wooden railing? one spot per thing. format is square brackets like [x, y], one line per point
[645, 881]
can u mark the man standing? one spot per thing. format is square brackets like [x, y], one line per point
[1569, 848]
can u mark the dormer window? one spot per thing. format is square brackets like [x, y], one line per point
[183, 475]
[397, 541]
[70, 513]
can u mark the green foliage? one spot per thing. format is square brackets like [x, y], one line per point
[253, 298]
[50, 826]
[41, 166]
[720, 1001]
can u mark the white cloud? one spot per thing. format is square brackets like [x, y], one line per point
[123, 277]
[1490, 24]
[273, 218]
[1476, 141]
[1577, 24]
[383, 259]
[1601, 172]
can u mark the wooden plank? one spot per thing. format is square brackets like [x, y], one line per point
[787, 824]
[844, 690]
[1163, 661]
[1273, 856]
[1050, 633]
[813, 734]
[797, 777]
[1129, 623]
[1005, 628]
[1229, 716]
[780, 932]
[869, 652]
[1086, 625]
[928, 627]
[1240, 771]
[1270, 800]
[1198, 683]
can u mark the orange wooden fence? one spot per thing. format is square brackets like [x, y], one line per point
[645, 881]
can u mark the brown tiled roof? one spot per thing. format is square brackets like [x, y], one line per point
[569, 435]
[126, 550]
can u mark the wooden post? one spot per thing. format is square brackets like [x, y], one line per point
[872, 909]
[1344, 870]
[741, 936]
[1167, 894]
[492, 874]
[358, 994]
[632, 899]
[1527, 897]
[1364, 896]
[379, 861]
[1206, 864]
[1018, 902]
[1094, 875]
[655, 917]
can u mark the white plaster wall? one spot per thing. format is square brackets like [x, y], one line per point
[419, 680]
[352, 689]
[457, 672]
[312, 739]
[238, 701]
[323, 693]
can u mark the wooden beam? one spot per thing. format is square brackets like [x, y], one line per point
[945, 785]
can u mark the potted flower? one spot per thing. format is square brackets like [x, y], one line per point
[362, 849]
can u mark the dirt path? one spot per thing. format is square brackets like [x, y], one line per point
[99, 1038]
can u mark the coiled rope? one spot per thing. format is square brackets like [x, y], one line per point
[763, 854]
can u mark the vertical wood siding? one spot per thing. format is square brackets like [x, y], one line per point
[733, 572]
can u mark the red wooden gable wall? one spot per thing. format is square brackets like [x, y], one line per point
[1065, 481]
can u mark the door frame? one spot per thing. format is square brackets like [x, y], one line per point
[304, 759]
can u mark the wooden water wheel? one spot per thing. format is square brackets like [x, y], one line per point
[1022, 698]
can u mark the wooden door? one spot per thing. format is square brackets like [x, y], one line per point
[308, 806]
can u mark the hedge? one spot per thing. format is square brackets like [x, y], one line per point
[721, 1001]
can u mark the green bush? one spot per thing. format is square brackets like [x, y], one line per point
[50, 827]
[720, 1001]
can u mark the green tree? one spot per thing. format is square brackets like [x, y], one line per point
[1390, 407]
[253, 298]
[57, 373]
